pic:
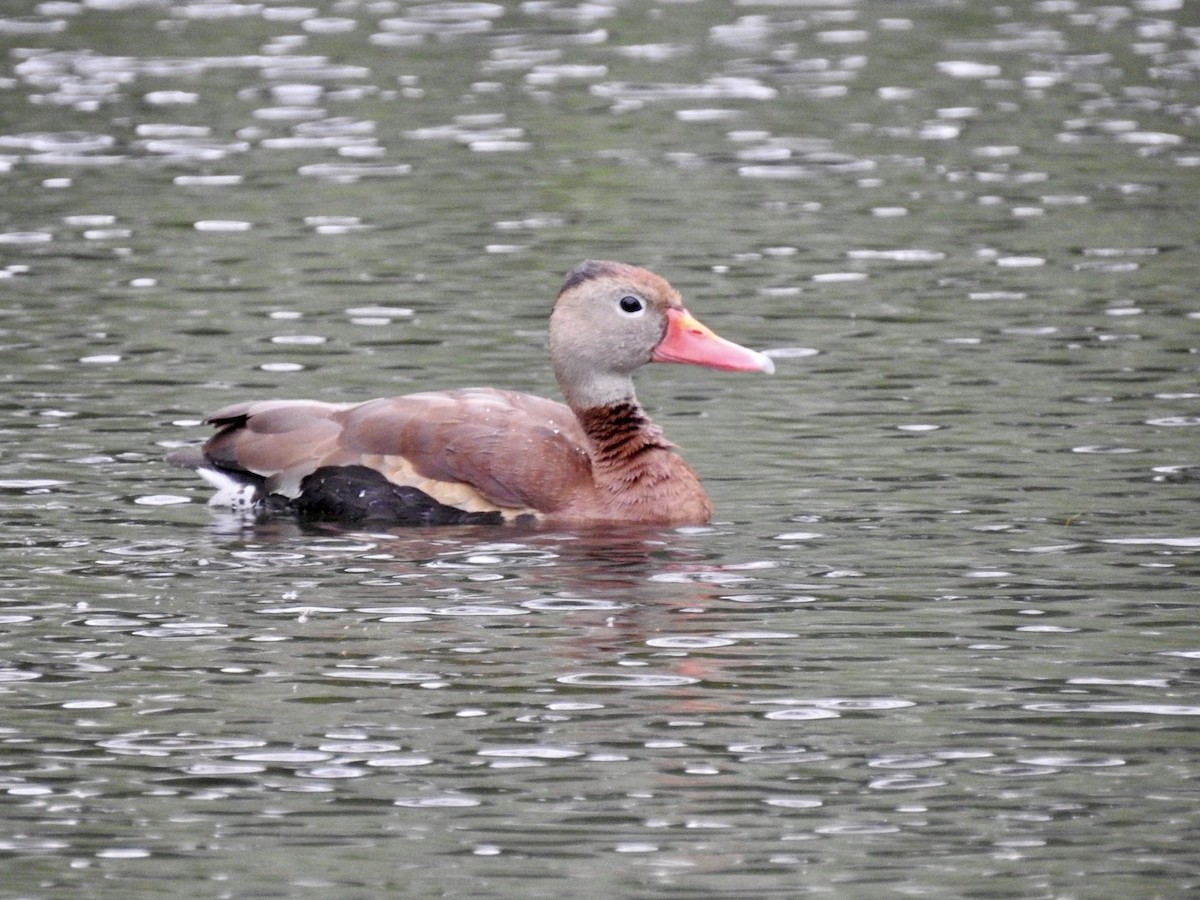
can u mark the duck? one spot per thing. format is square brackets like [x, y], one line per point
[482, 455]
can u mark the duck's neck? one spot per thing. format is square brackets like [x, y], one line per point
[617, 428]
[621, 437]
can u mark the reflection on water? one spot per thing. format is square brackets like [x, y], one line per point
[940, 639]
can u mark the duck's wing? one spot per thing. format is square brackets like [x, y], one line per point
[474, 449]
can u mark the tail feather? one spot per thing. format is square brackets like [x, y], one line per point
[239, 491]
[233, 489]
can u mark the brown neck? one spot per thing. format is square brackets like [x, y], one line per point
[620, 435]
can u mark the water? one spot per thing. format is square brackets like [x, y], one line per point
[940, 640]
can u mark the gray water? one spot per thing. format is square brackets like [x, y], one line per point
[941, 639]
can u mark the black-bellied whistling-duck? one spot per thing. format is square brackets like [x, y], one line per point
[486, 455]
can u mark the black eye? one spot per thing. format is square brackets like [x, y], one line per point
[631, 305]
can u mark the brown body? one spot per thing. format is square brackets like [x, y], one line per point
[597, 459]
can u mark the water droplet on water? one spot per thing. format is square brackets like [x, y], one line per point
[222, 225]
[802, 714]
[689, 642]
[445, 801]
[631, 680]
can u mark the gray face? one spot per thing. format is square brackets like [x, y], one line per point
[605, 325]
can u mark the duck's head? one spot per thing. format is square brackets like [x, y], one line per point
[611, 318]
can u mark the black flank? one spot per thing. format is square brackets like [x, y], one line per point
[357, 495]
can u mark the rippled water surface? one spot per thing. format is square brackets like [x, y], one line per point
[941, 639]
